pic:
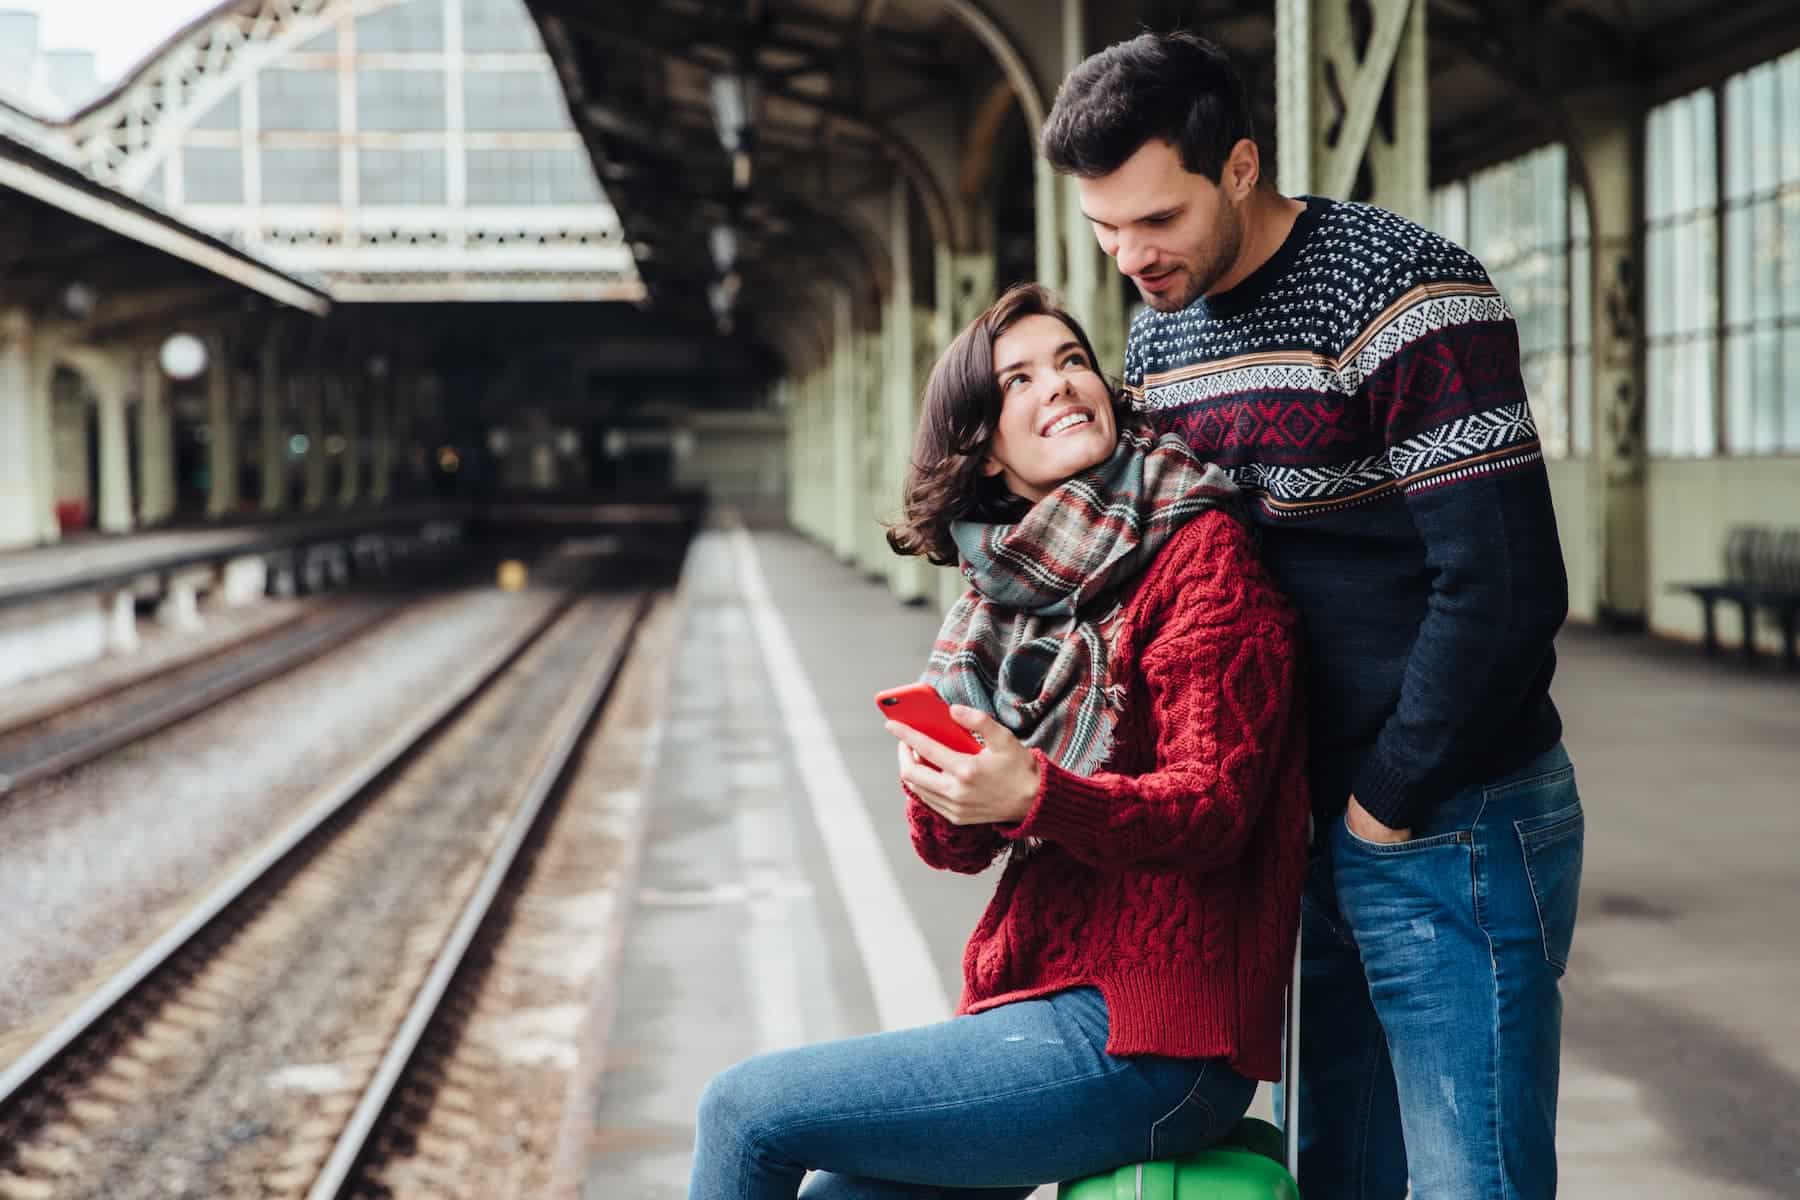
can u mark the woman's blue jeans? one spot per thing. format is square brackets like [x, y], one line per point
[983, 1107]
[1431, 1022]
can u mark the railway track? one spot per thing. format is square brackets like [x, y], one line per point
[80, 732]
[256, 1046]
[74, 730]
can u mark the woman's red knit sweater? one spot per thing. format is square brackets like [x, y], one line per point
[1171, 879]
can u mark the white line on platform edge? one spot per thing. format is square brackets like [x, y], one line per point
[893, 948]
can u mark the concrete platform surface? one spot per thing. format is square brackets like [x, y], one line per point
[90, 555]
[775, 820]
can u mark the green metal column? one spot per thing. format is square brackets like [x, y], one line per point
[351, 394]
[821, 483]
[825, 497]
[1314, 41]
[879, 505]
[865, 355]
[807, 434]
[787, 400]
[1607, 151]
[1048, 217]
[966, 288]
[42, 376]
[312, 405]
[825, 510]
[381, 437]
[222, 431]
[156, 441]
[269, 385]
[25, 500]
[847, 415]
[403, 402]
[1080, 283]
[108, 373]
[904, 379]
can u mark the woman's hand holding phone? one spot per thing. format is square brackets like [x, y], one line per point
[992, 779]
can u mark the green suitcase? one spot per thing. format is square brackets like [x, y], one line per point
[1232, 1171]
[1247, 1165]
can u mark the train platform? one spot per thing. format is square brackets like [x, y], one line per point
[774, 897]
[80, 602]
[93, 560]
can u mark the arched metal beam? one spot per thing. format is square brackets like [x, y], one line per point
[984, 132]
[850, 230]
[126, 134]
[986, 27]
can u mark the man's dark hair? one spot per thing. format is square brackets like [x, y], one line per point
[1174, 87]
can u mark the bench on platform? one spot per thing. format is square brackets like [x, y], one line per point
[1762, 573]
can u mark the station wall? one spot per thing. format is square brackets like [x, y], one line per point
[1578, 527]
[1692, 505]
[740, 459]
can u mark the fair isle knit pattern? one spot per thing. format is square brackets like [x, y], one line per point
[1362, 388]
[1370, 301]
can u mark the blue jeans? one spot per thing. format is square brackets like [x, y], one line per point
[1431, 1022]
[983, 1107]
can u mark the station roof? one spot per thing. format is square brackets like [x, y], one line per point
[59, 226]
[834, 75]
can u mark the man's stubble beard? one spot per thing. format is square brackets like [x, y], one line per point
[1227, 241]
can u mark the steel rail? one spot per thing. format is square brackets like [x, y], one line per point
[349, 786]
[87, 745]
[574, 722]
[55, 708]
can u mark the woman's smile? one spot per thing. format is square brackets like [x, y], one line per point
[1071, 419]
[1056, 410]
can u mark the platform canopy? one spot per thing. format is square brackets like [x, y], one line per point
[770, 118]
[107, 265]
[401, 150]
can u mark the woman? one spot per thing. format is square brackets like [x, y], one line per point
[1130, 671]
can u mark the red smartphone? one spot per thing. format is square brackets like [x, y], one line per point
[918, 705]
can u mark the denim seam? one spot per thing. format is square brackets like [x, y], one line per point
[750, 1152]
[1478, 893]
[1494, 1072]
[814, 1122]
[1539, 837]
[1549, 833]
[1409, 846]
[1514, 785]
[1367, 1122]
[1193, 1097]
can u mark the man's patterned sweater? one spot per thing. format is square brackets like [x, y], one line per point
[1363, 387]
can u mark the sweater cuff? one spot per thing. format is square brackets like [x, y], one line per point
[1387, 794]
[1068, 808]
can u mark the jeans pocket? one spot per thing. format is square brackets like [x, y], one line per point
[1189, 1125]
[1454, 837]
[1552, 846]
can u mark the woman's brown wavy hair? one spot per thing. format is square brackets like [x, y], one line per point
[962, 409]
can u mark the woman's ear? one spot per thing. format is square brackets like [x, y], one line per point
[991, 466]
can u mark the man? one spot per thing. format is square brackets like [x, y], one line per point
[1359, 378]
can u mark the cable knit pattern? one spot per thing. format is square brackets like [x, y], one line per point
[1171, 878]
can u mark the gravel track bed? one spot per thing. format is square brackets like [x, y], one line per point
[326, 970]
[97, 861]
[160, 646]
[496, 1101]
[131, 699]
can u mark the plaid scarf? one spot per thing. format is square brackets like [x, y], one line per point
[1027, 643]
